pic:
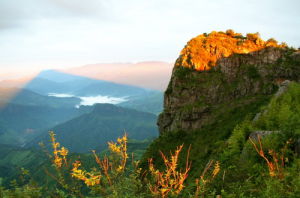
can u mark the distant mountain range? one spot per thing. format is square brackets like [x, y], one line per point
[57, 82]
[27, 110]
[151, 74]
[52, 81]
[105, 123]
[28, 97]
[20, 123]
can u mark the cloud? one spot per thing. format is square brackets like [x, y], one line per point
[55, 33]
[77, 7]
[14, 13]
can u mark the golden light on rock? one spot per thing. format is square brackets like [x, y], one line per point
[203, 52]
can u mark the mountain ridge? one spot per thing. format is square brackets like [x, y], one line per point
[138, 74]
[104, 123]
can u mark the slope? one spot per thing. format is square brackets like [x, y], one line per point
[20, 123]
[210, 94]
[30, 98]
[105, 123]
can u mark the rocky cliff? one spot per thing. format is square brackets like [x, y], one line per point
[226, 88]
[220, 69]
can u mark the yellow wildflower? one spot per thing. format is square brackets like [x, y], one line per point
[64, 151]
[58, 161]
[216, 169]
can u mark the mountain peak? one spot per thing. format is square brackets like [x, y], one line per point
[203, 52]
[239, 68]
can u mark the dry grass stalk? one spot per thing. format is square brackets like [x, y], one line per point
[107, 168]
[275, 168]
[171, 180]
[207, 177]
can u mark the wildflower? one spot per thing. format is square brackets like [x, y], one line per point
[216, 169]
[120, 168]
[93, 177]
[90, 179]
[120, 149]
[58, 161]
[113, 147]
[64, 151]
[55, 145]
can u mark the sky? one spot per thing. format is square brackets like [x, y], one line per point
[43, 34]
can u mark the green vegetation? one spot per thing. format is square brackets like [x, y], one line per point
[38, 179]
[19, 124]
[28, 113]
[252, 72]
[221, 159]
[182, 72]
[245, 173]
[211, 138]
[247, 146]
[282, 117]
[106, 122]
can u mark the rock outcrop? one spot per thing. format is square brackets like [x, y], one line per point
[239, 68]
[203, 52]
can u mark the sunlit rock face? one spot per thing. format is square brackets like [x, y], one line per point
[223, 69]
[203, 51]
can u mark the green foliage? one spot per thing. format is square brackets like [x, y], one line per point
[127, 185]
[24, 187]
[282, 117]
[238, 139]
[226, 139]
[286, 66]
[182, 72]
[283, 112]
[42, 174]
[208, 142]
[252, 72]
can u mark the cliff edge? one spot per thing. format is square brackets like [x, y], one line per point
[223, 68]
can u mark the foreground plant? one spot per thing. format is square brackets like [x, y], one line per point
[59, 160]
[119, 148]
[111, 178]
[103, 179]
[89, 178]
[59, 155]
[209, 173]
[275, 163]
[171, 180]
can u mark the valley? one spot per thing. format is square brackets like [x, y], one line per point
[82, 111]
